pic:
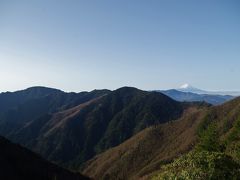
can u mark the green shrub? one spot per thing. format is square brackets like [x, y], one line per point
[200, 165]
[209, 140]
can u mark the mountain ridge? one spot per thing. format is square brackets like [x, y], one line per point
[72, 136]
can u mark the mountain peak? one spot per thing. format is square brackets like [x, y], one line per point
[189, 88]
[186, 86]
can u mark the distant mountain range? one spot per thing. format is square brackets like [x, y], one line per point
[192, 97]
[191, 89]
[189, 93]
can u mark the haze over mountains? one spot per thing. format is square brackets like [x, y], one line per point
[189, 93]
[189, 88]
[127, 133]
[193, 97]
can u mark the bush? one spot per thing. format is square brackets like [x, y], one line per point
[201, 165]
[209, 140]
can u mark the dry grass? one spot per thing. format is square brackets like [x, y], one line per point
[146, 151]
[59, 119]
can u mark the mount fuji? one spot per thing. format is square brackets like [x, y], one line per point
[188, 93]
[190, 89]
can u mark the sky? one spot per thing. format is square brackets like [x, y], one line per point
[80, 45]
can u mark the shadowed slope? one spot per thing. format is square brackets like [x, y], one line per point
[21, 107]
[17, 163]
[13, 99]
[73, 136]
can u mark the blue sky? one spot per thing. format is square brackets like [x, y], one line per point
[150, 44]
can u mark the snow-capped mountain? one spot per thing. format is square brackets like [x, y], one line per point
[188, 88]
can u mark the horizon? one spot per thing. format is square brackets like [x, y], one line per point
[183, 87]
[86, 45]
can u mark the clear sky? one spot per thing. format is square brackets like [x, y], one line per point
[78, 45]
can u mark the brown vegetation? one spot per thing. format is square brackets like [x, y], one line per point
[145, 153]
[148, 150]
